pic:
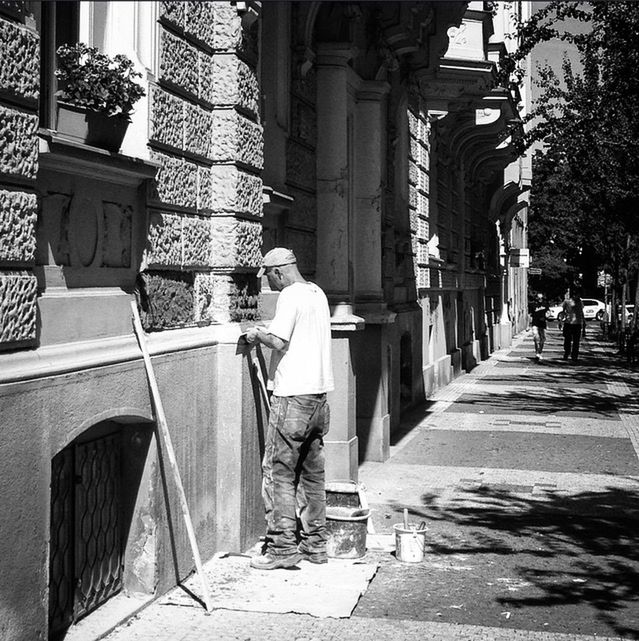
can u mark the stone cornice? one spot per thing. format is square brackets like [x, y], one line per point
[54, 360]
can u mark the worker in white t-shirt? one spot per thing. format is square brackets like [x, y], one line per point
[301, 375]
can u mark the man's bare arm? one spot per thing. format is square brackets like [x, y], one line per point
[258, 335]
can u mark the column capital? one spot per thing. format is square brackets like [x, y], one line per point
[333, 54]
[372, 90]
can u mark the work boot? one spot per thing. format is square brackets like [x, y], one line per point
[274, 561]
[314, 557]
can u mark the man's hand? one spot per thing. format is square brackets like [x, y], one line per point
[253, 335]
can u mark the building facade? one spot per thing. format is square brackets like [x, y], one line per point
[371, 138]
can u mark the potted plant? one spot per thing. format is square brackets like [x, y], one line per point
[96, 95]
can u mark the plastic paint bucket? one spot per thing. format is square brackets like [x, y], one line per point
[410, 543]
[346, 527]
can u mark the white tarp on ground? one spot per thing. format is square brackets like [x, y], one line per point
[324, 590]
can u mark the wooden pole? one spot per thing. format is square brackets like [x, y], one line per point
[165, 440]
[257, 366]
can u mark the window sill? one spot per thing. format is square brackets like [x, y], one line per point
[62, 154]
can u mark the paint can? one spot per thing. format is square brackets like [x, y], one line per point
[346, 528]
[410, 543]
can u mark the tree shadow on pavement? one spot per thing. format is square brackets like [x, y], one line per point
[546, 401]
[571, 550]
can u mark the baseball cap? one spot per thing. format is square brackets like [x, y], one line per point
[277, 257]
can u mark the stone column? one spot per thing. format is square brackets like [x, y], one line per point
[373, 421]
[334, 255]
[333, 211]
[369, 167]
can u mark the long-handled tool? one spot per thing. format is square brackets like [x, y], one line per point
[257, 366]
[165, 440]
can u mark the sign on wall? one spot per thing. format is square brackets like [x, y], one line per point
[519, 257]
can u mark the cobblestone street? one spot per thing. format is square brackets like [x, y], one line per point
[527, 476]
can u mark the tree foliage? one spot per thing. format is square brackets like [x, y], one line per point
[585, 192]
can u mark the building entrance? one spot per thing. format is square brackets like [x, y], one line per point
[91, 511]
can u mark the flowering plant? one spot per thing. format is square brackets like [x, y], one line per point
[96, 82]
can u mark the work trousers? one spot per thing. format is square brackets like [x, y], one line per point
[293, 474]
[572, 335]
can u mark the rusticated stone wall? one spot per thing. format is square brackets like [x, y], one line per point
[205, 228]
[19, 86]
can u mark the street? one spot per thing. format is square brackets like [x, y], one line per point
[527, 477]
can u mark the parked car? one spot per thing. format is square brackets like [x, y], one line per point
[553, 312]
[593, 308]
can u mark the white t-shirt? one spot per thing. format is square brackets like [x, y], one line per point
[302, 318]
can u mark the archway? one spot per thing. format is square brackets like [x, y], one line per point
[96, 496]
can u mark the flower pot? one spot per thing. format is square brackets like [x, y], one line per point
[93, 128]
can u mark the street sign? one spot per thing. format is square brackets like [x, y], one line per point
[534, 271]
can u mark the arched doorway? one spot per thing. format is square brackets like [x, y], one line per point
[95, 491]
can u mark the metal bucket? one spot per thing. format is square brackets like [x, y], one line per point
[410, 543]
[346, 527]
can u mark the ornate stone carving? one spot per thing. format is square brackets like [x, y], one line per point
[167, 300]
[207, 78]
[173, 11]
[235, 138]
[227, 27]
[200, 21]
[53, 224]
[204, 189]
[18, 216]
[77, 234]
[167, 118]
[235, 83]
[178, 62]
[18, 143]
[235, 243]
[196, 241]
[176, 180]
[198, 127]
[164, 240]
[235, 191]
[116, 244]
[20, 55]
[18, 293]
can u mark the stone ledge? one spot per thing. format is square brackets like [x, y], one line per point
[58, 153]
[59, 359]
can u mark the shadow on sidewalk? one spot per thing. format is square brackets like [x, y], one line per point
[553, 400]
[579, 550]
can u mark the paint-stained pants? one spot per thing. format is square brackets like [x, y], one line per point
[293, 473]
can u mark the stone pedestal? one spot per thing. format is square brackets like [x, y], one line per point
[341, 441]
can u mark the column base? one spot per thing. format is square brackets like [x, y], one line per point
[341, 460]
[377, 429]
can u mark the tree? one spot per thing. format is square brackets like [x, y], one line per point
[585, 192]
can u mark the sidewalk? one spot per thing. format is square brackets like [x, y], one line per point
[527, 475]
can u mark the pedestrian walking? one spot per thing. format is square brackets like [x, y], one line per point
[574, 323]
[537, 311]
[293, 471]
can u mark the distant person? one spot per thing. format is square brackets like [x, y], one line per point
[574, 324]
[537, 311]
